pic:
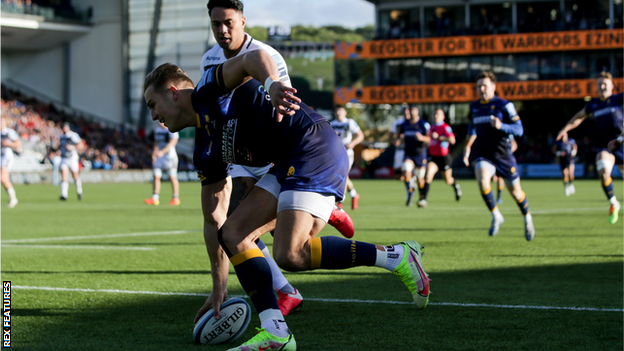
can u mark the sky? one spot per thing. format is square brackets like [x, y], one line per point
[317, 13]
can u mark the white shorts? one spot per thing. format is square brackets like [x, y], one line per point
[7, 160]
[238, 171]
[399, 155]
[351, 155]
[167, 162]
[70, 162]
[316, 204]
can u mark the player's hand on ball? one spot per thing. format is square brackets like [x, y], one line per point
[215, 300]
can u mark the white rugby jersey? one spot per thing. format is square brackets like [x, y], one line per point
[68, 140]
[11, 135]
[162, 136]
[345, 129]
[215, 56]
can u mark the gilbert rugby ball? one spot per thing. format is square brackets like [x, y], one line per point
[235, 317]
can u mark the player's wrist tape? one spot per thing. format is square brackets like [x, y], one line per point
[267, 83]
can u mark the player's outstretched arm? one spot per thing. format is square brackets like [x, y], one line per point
[259, 64]
[574, 122]
[215, 200]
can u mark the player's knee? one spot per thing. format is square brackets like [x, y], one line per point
[288, 258]
[288, 261]
[407, 166]
[224, 245]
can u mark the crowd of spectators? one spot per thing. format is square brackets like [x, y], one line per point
[104, 147]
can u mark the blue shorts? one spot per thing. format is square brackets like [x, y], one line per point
[318, 164]
[565, 162]
[419, 159]
[506, 167]
[619, 155]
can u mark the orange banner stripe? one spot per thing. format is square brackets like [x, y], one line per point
[466, 92]
[482, 44]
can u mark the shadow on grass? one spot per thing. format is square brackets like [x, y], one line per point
[60, 320]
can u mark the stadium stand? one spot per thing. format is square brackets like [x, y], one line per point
[39, 126]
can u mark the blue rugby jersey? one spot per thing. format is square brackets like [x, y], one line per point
[413, 146]
[567, 146]
[492, 143]
[240, 127]
[608, 116]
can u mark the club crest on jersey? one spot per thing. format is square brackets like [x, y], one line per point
[513, 169]
[291, 171]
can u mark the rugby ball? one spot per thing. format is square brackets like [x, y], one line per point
[235, 317]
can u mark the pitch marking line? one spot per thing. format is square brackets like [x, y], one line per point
[484, 305]
[64, 238]
[80, 247]
[570, 210]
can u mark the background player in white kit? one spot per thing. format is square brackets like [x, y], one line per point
[69, 161]
[10, 141]
[351, 135]
[165, 158]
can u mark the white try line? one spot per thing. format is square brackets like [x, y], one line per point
[570, 210]
[457, 304]
[80, 247]
[82, 237]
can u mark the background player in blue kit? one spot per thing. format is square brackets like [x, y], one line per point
[415, 134]
[492, 119]
[350, 134]
[565, 149]
[607, 112]
[296, 197]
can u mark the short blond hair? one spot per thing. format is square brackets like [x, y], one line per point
[165, 73]
[487, 74]
[605, 75]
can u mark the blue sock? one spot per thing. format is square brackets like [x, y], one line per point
[488, 197]
[332, 252]
[608, 188]
[523, 204]
[255, 276]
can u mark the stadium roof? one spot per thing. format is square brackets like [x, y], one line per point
[33, 33]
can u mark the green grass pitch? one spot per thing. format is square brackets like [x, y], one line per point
[126, 276]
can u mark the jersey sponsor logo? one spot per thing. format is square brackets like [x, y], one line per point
[482, 120]
[291, 171]
[604, 111]
[227, 147]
